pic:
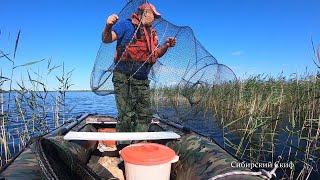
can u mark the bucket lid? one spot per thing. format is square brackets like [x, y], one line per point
[147, 154]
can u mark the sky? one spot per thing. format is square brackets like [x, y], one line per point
[251, 36]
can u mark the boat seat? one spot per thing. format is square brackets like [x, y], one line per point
[121, 136]
[101, 120]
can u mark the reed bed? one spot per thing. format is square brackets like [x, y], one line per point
[27, 102]
[272, 116]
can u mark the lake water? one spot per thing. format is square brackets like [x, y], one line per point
[78, 103]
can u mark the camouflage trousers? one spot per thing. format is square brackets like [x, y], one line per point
[133, 103]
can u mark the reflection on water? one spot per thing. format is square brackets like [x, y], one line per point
[77, 103]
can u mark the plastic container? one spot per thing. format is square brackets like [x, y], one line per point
[148, 161]
[111, 144]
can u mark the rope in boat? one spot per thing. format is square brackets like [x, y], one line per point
[262, 173]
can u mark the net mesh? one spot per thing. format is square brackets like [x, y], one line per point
[181, 79]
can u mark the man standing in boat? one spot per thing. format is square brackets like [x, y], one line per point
[136, 52]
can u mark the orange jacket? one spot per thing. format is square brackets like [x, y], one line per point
[142, 47]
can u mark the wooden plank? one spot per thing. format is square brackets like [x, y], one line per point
[101, 120]
[120, 136]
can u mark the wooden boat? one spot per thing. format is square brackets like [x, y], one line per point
[53, 157]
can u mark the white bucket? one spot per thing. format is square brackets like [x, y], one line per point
[148, 161]
[154, 172]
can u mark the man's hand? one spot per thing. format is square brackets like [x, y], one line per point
[170, 42]
[112, 19]
[108, 35]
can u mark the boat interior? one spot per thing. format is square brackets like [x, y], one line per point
[53, 157]
[74, 159]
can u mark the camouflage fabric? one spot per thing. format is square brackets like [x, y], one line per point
[133, 103]
[78, 151]
[65, 159]
[199, 158]
[25, 165]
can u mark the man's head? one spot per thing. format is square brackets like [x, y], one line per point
[148, 13]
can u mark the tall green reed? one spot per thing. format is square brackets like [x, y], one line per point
[31, 99]
[261, 110]
[63, 87]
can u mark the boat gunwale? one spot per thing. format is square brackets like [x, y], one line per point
[53, 132]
